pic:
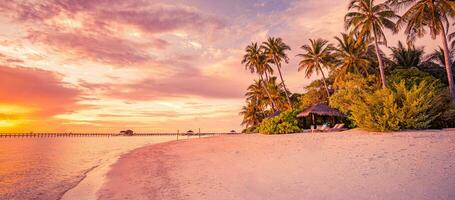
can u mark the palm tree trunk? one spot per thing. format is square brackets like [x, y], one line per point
[381, 63]
[282, 81]
[268, 93]
[325, 82]
[447, 64]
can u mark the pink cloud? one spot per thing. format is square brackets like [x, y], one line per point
[189, 81]
[36, 88]
[104, 49]
[96, 36]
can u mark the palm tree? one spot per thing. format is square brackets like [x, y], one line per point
[275, 50]
[406, 57]
[452, 38]
[438, 57]
[255, 92]
[278, 93]
[431, 14]
[316, 56]
[256, 61]
[252, 115]
[352, 55]
[370, 20]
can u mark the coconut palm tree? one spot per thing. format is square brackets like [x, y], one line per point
[370, 20]
[352, 55]
[438, 57]
[431, 14]
[452, 39]
[256, 61]
[255, 92]
[275, 50]
[278, 93]
[252, 115]
[317, 55]
[406, 57]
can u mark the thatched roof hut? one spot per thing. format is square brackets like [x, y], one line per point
[321, 110]
[127, 132]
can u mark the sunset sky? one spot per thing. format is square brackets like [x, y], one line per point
[107, 65]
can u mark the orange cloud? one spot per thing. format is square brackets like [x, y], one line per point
[27, 94]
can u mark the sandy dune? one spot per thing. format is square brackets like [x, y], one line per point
[348, 165]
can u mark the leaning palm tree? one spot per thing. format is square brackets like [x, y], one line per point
[317, 56]
[256, 61]
[370, 20]
[275, 50]
[431, 14]
[278, 93]
[352, 56]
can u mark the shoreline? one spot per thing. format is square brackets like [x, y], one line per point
[345, 165]
[95, 177]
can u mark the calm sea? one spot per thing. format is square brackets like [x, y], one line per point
[45, 168]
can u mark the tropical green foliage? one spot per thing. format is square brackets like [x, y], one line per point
[353, 69]
[286, 122]
[317, 56]
[351, 90]
[406, 57]
[265, 97]
[412, 76]
[399, 107]
[314, 93]
[352, 55]
[369, 20]
[275, 50]
[255, 60]
[432, 15]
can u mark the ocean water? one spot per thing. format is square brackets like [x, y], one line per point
[46, 168]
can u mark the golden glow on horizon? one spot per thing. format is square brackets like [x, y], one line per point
[14, 109]
[7, 123]
[13, 115]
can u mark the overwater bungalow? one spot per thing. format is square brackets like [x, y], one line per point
[127, 132]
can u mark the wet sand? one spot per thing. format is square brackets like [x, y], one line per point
[345, 165]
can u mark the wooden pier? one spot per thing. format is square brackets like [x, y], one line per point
[8, 135]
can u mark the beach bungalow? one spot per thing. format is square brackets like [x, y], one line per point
[323, 110]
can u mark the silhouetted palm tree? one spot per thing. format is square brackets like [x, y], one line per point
[369, 20]
[438, 57]
[431, 14]
[406, 57]
[275, 50]
[317, 55]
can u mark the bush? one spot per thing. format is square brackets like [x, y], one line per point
[250, 130]
[350, 90]
[403, 106]
[284, 123]
[376, 111]
[411, 76]
[315, 93]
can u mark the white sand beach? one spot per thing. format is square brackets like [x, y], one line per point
[344, 165]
